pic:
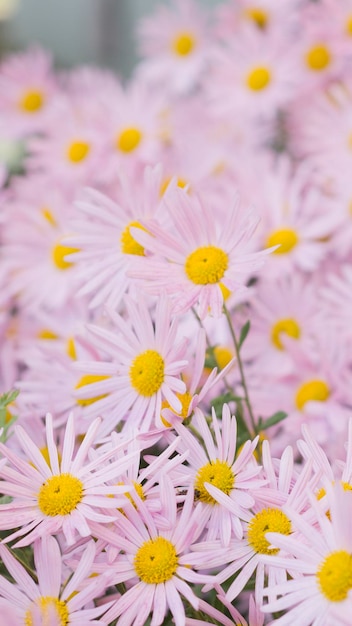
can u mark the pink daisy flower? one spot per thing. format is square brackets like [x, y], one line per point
[229, 472]
[321, 555]
[103, 240]
[72, 149]
[199, 255]
[144, 367]
[131, 127]
[316, 390]
[254, 75]
[59, 495]
[280, 312]
[244, 556]
[49, 602]
[155, 563]
[297, 218]
[321, 48]
[174, 43]
[27, 87]
[35, 254]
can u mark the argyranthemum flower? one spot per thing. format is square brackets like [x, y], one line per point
[199, 255]
[219, 465]
[144, 364]
[50, 602]
[27, 86]
[322, 556]
[64, 494]
[103, 240]
[155, 563]
[245, 555]
[282, 311]
[174, 44]
[252, 76]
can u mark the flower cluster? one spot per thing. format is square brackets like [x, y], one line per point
[175, 314]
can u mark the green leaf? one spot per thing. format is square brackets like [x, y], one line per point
[271, 421]
[8, 397]
[243, 334]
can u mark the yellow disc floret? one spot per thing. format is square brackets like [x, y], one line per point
[78, 151]
[257, 15]
[50, 610]
[32, 101]
[318, 58]
[147, 372]
[185, 399]
[88, 379]
[128, 244]
[139, 489]
[129, 139]
[285, 238]
[59, 253]
[156, 561]
[60, 494]
[183, 44]
[334, 576]
[217, 473]
[289, 327]
[312, 390]
[206, 265]
[349, 26]
[267, 520]
[258, 78]
[222, 356]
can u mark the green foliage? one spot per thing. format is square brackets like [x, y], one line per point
[6, 399]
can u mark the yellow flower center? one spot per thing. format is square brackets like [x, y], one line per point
[318, 58]
[185, 399]
[128, 244]
[129, 139]
[183, 44]
[206, 265]
[258, 78]
[78, 151]
[58, 254]
[47, 214]
[181, 182]
[225, 291]
[71, 348]
[334, 576]
[88, 379]
[147, 373]
[349, 26]
[267, 520]
[139, 489]
[222, 356]
[156, 561]
[51, 610]
[60, 494]
[257, 15]
[217, 473]
[288, 326]
[286, 238]
[32, 101]
[312, 390]
[46, 333]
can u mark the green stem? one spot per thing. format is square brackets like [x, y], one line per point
[202, 326]
[240, 366]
